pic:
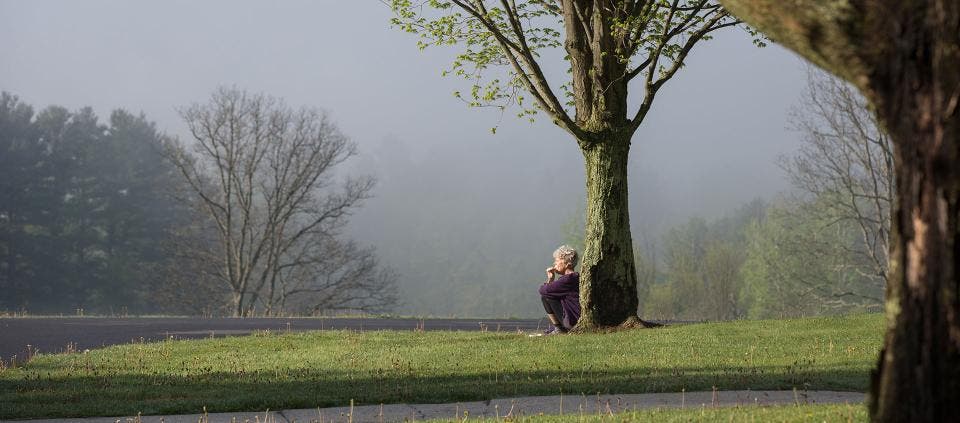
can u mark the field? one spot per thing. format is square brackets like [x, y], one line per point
[329, 368]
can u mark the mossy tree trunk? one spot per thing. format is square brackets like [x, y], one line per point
[608, 296]
[608, 281]
[905, 57]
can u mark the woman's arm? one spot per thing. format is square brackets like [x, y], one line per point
[560, 287]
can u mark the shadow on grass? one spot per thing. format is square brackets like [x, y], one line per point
[150, 394]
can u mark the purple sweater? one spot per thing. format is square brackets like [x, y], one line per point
[566, 288]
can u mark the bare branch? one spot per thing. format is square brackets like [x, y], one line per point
[270, 197]
[713, 23]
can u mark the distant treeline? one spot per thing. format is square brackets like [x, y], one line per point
[763, 261]
[86, 208]
[115, 217]
[821, 248]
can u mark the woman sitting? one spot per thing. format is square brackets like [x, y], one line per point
[560, 293]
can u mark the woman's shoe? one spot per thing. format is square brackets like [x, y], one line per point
[555, 330]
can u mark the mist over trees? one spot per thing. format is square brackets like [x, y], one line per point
[799, 254]
[702, 261]
[846, 161]
[85, 208]
[605, 47]
[818, 249]
[99, 214]
[95, 218]
[836, 223]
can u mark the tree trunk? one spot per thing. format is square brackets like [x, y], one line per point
[918, 373]
[237, 304]
[915, 90]
[608, 284]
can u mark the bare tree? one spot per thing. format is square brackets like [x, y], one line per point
[843, 173]
[846, 159]
[263, 174]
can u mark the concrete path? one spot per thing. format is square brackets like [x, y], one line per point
[514, 407]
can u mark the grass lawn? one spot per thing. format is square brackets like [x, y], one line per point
[787, 413]
[310, 369]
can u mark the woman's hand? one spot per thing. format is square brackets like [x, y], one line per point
[551, 273]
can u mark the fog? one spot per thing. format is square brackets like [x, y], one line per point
[467, 215]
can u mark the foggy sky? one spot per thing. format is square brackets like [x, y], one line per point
[708, 145]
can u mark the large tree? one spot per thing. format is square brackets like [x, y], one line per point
[607, 45]
[904, 56]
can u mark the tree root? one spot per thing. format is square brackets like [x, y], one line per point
[632, 322]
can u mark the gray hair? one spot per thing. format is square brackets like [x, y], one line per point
[567, 254]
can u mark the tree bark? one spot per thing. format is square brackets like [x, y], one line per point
[915, 92]
[918, 372]
[608, 287]
[237, 304]
[608, 280]
[905, 57]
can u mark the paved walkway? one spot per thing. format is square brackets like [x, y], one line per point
[523, 406]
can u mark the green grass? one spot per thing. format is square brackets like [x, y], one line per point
[310, 369]
[787, 413]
